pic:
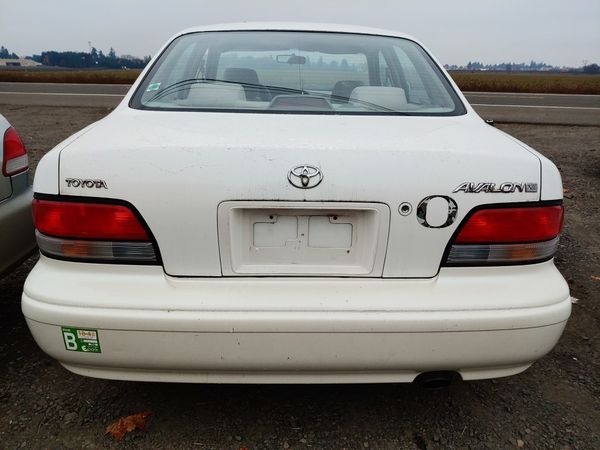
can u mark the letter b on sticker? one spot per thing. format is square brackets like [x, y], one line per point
[70, 340]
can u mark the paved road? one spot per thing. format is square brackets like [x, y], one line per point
[560, 109]
[500, 106]
[62, 94]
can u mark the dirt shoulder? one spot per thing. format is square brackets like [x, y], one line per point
[554, 405]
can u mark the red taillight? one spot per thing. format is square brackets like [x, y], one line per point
[87, 221]
[507, 235]
[14, 159]
[92, 232]
[512, 225]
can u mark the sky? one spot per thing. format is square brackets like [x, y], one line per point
[557, 32]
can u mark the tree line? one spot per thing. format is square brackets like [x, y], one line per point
[533, 66]
[5, 54]
[95, 58]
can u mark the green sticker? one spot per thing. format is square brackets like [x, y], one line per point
[153, 87]
[81, 340]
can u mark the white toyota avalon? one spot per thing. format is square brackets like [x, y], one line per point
[295, 203]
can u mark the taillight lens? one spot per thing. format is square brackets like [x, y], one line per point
[507, 235]
[14, 158]
[511, 225]
[91, 231]
[87, 220]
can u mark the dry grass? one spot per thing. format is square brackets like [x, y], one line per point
[550, 83]
[71, 76]
[555, 83]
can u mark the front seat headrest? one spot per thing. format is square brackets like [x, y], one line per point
[392, 98]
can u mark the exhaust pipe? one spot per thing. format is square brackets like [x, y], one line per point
[436, 380]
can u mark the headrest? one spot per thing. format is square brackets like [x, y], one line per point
[342, 89]
[389, 97]
[241, 75]
[219, 95]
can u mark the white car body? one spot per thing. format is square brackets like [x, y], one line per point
[217, 309]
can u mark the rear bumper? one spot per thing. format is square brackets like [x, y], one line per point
[17, 238]
[481, 322]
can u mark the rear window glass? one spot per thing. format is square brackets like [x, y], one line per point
[318, 72]
[303, 72]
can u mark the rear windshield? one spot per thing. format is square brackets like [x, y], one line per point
[296, 72]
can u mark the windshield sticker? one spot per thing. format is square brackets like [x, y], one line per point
[81, 340]
[153, 87]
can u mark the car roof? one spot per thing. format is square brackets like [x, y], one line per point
[296, 26]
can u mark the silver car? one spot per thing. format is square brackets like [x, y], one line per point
[17, 239]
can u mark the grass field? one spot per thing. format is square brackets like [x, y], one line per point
[71, 76]
[554, 83]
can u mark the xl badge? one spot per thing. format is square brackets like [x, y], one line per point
[502, 188]
[305, 176]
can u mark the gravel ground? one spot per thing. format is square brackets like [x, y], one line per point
[554, 405]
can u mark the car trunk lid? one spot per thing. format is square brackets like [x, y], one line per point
[207, 184]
